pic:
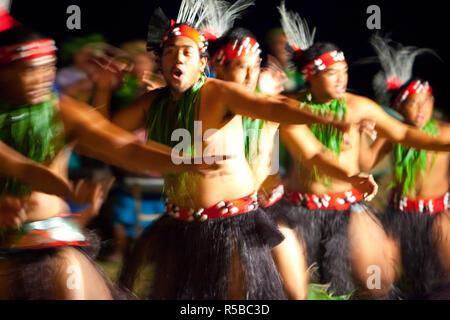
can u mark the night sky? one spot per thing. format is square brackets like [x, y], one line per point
[423, 24]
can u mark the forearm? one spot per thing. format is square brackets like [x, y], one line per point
[102, 101]
[420, 140]
[328, 166]
[370, 155]
[142, 158]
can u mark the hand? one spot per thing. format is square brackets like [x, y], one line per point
[271, 80]
[89, 191]
[365, 184]
[368, 127]
[106, 73]
[12, 212]
[209, 166]
[152, 81]
[94, 192]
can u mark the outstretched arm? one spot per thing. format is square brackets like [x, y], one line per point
[14, 165]
[239, 100]
[107, 142]
[300, 141]
[398, 132]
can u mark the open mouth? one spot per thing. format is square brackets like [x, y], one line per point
[177, 73]
[340, 89]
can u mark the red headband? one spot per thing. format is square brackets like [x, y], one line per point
[183, 30]
[39, 49]
[234, 49]
[415, 87]
[322, 62]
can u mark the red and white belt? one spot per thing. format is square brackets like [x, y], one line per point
[275, 195]
[326, 201]
[430, 206]
[219, 210]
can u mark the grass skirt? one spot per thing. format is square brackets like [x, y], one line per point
[201, 260]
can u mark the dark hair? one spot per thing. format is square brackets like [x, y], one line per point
[313, 52]
[19, 34]
[231, 35]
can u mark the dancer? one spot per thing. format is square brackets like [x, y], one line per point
[231, 62]
[41, 260]
[341, 234]
[417, 217]
[213, 242]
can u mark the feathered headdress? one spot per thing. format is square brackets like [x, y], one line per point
[220, 16]
[300, 39]
[296, 30]
[397, 63]
[189, 21]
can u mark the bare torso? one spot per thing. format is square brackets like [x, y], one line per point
[434, 182]
[43, 206]
[301, 177]
[265, 172]
[192, 190]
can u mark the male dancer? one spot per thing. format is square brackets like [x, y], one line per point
[340, 234]
[417, 218]
[214, 242]
[39, 260]
[232, 62]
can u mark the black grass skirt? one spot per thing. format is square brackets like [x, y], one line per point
[34, 271]
[421, 268]
[325, 235]
[220, 258]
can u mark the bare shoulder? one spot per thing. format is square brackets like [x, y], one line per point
[444, 127]
[213, 85]
[358, 101]
[360, 105]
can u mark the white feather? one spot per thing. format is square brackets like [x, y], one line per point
[192, 12]
[221, 14]
[296, 29]
[396, 61]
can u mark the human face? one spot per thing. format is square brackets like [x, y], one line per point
[417, 109]
[27, 82]
[181, 64]
[243, 70]
[330, 83]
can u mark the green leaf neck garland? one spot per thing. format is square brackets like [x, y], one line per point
[408, 161]
[252, 132]
[160, 124]
[36, 131]
[328, 135]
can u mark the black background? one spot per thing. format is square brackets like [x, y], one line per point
[418, 23]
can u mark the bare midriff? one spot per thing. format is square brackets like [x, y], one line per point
[192, 190]
[43, 206]
[434, 182]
